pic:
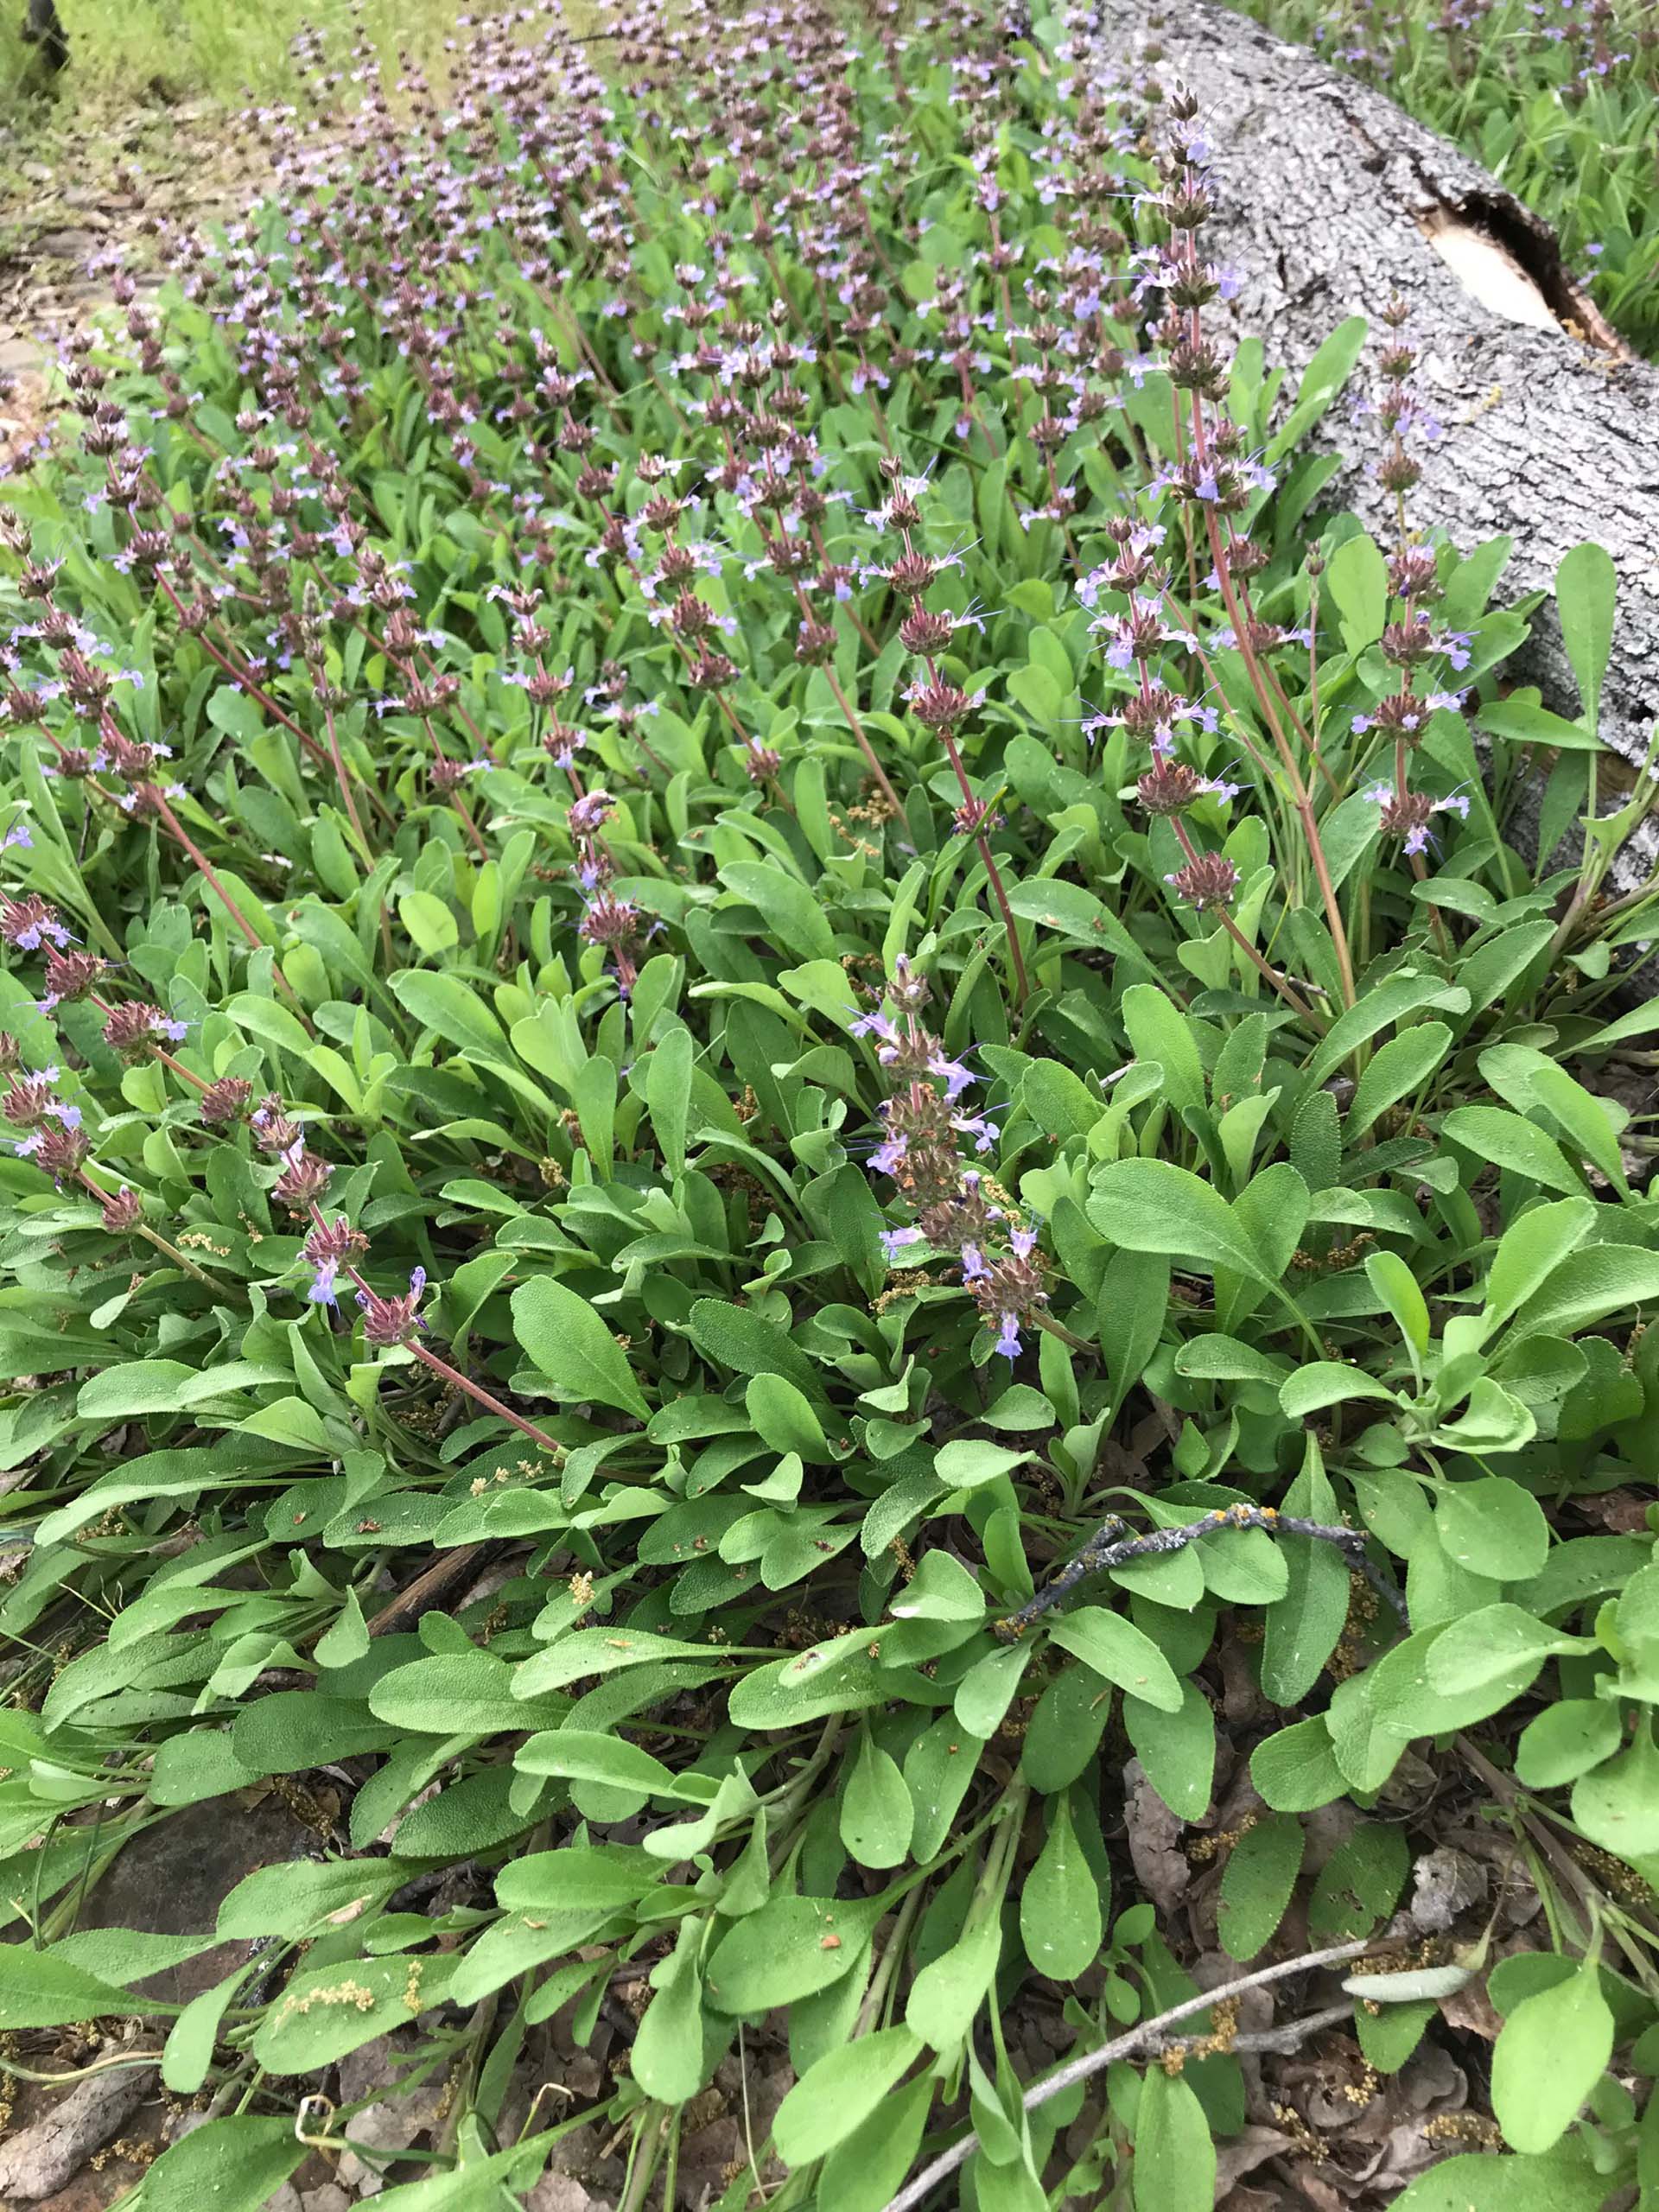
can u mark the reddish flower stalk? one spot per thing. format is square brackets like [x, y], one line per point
[152, 1237]
[1292, 997]
[865, 747]
[177, 830]
[453, 1375]
[242, 680]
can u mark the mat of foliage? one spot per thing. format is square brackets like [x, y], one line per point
[728, 924]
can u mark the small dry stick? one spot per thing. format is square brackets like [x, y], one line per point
[1125, 2046]
[1281, 2039]
[435, 1586]
[1114, 1543]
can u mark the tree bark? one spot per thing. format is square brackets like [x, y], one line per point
[1329, 200]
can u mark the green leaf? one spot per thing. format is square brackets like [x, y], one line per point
[667, 1094]
[939, 1769]
[783, 1417]
[577, 1878]
[1119, 1652]
[1390, 1002]
[1328, 1383]
[866, 2169]
[327, 2012]
[1398, 1069]
[1583, 1123]
[667, 2057]
[1174, 2168]
[1565, 1740]
[40, 1991]
[1020, 1408]
[1410, 1986]
[738, 1338]
[1077, 913]
[1493, 1527]
[1219, 1359]
[1359, 1885]
[986, 1691]
[233, 2164]
[584, 1651]
[1519, 1147]
[790, 912]
[292, 1730]
[1404, 1701]
[1296, 1770]
[1060, 1103]
[165, 1386]
[294, 1900]
[565, 1342]
[1528, 1253]
[1617, 1805]
[941, 1589]
[430, 922]
[789, 1949]
[1176, 1750]
[1152, 1206]
[584, 1755]
[455, 1009]
[452, 1693]
[809, 1684]
[1395, 1285]
[1563, 2180]
[1060, 1904]
[593, 1090]
[1159, 1030]
[1302, 1628]
[1586, 596]
[839, 2092]
[1356, 579]
[1524, 724]
[967, 1461]
[194, 2037]
[947, 1994]
[1331, 366]
[1130, 1317]
[1550, 2054]
[1478, 1648]
[1257, 1884]
[1588, 1287]
[877, 1815]
[1388, 2034]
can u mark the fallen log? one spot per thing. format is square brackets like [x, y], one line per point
[1329, 200]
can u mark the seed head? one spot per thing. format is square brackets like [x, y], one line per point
[226, 1100]
[1209, 881]
[388, 1321]
[123, 1210]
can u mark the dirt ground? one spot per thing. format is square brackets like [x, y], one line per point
[81, 191]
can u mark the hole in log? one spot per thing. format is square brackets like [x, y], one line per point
[1513, 267]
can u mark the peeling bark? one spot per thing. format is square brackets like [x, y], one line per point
[1330, 200]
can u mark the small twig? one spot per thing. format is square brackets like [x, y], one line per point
[1114, 1543]
[1126, 2046]
[1566, 1868]
[429, 1589]
[1285, 2037]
